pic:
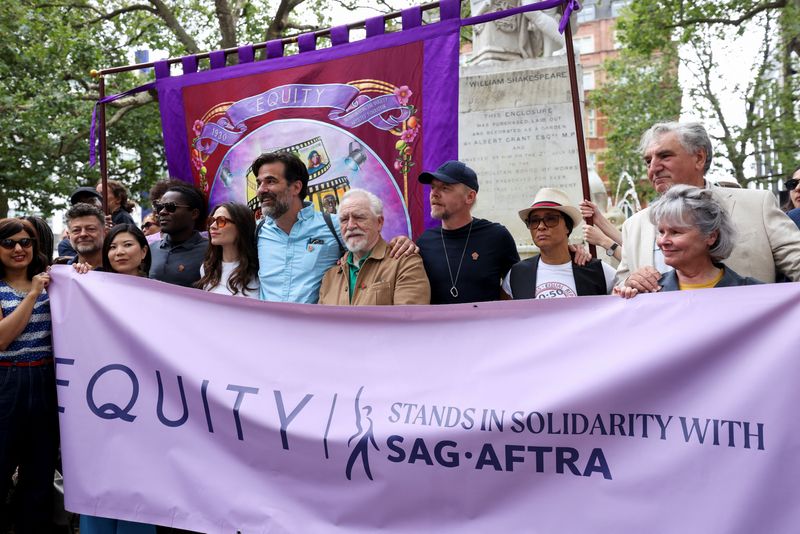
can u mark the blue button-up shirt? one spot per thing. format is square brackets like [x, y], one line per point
[291, 266]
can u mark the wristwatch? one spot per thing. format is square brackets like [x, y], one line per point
[610, 250]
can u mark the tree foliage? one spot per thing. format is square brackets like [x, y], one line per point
[46, 93]
[755, 148]
[644, 91]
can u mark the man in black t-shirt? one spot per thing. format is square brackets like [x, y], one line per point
[466, 258]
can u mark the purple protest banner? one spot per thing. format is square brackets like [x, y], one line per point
[666, 413]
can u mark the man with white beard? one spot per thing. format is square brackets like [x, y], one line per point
[367, 275]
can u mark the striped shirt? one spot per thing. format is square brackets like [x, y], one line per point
[34, 343]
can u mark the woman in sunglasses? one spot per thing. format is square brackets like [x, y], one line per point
[553, 273]
[28, 410]
[230, 266]
[792, 206]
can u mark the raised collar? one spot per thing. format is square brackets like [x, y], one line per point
[166, 241]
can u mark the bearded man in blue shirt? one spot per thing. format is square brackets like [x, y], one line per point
[296, 245]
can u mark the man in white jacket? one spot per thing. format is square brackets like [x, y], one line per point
[680, 153]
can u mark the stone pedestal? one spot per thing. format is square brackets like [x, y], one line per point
[516, 129]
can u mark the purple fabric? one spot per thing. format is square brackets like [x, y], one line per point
[274, 49]
[466, 425]
[189, 64]
[217, 59]
[171, 100]
[246, 54]
[375, 26]
[411, 17]
[340, 35]
[307, 42]
[161, 69]
[449, 9]
[111, 98]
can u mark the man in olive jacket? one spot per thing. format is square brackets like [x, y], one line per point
[366, 275]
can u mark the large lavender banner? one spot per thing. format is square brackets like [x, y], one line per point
[667, 413]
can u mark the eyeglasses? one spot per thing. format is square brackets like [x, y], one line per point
[791, 184]
[171, 207]
[220, 220]
[550, 221]
[148, 224]
[11, 244]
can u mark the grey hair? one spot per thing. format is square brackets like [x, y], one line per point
[687, 206]
[375, 203]
[691, 135]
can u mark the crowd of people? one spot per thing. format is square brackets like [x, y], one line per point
[695, 235]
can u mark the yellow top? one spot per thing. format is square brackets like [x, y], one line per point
[712, 283]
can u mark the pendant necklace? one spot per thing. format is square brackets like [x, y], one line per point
[453, 289]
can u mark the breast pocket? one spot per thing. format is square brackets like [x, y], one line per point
[379, 294]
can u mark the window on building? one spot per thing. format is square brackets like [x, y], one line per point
[586, 14]
[591, 123]
[585, 44]
[616, 7]
[588, 80]
[617, 42]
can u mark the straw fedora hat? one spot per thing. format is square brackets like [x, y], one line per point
[552, 199]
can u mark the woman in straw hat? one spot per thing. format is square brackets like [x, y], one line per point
[552, 273]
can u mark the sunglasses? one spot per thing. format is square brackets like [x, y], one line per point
[148, 224]
[790, 184]
[220, 220]
[550, 221]
[11, 244]
[171, 207]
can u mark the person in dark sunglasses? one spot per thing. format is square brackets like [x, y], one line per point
[28, 410]
[792, 206]
[177, 257]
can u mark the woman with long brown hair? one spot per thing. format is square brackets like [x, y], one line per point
[230, 266]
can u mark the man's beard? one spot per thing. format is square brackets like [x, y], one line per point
[279, 207]
[356, 243]
[86, 247]
[442, 214]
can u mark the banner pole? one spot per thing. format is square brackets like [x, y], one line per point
[101, 88]
[576, 113]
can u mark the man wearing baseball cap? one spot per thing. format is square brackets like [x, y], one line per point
[466, 258]
[552, 273]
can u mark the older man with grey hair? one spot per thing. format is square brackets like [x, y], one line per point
[680, 153]
[367, 274]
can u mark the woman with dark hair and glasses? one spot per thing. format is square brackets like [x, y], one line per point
[177, 257]
[28, 409]
[552, 273]
[230, 266]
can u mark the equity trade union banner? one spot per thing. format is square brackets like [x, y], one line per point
[668, 413]
[369, 114]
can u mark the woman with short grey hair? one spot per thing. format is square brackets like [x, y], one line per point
[695, 234]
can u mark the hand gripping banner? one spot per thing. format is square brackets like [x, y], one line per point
[369, 114]
[662, 414]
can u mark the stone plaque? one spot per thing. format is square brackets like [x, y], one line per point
[516, 129]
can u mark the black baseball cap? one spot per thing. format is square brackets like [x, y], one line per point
[452, 172]
[83, 191]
